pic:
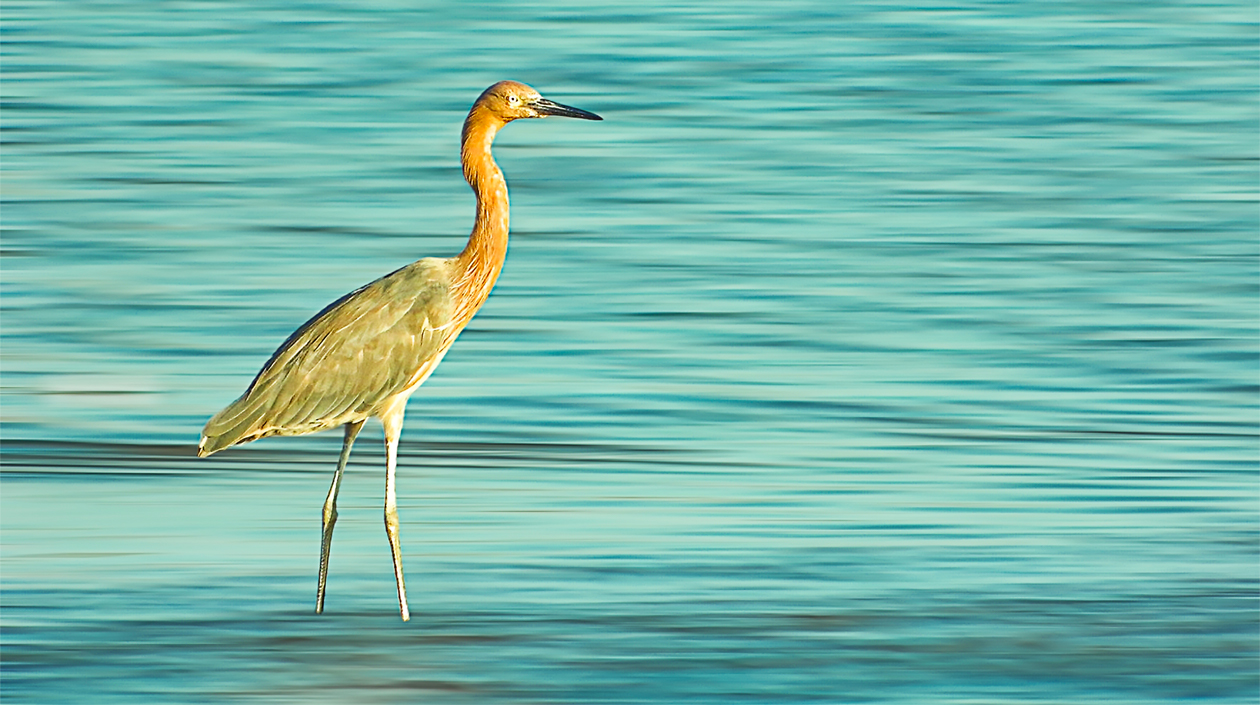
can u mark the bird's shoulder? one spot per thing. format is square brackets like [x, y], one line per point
[417, 295]
[405, 312]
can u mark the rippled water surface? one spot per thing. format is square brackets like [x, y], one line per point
[866, 352]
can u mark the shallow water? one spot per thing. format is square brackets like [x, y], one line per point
[865, 353]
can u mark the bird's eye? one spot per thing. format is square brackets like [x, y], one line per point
[514, 100]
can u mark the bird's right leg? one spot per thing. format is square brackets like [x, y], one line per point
[393, 429]
[330, 511]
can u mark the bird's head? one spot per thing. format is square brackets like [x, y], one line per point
[509, 100]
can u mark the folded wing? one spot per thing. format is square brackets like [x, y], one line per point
[362, 349]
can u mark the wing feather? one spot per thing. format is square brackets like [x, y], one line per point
[360, 350]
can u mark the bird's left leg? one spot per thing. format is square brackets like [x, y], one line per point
[393, 429]
[330, 512]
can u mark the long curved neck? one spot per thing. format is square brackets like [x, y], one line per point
[478, 266]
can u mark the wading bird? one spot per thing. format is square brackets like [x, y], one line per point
[363, 355]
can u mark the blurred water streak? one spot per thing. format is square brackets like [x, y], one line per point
[867, 352]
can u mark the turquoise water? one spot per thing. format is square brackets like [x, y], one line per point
[865, 353]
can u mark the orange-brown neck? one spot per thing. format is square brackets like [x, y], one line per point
[478, 266]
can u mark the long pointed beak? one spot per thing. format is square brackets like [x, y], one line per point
[546, 107]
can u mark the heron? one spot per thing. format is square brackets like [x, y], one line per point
[364, 354]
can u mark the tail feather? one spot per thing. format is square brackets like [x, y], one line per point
[241, 421]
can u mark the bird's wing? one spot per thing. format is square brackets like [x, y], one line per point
[363, 348]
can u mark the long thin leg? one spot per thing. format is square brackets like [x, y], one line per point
[330, 512]
[393, 429]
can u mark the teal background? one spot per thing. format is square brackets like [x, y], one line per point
[866, 353]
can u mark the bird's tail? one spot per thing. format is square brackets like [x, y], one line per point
[240, 422]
